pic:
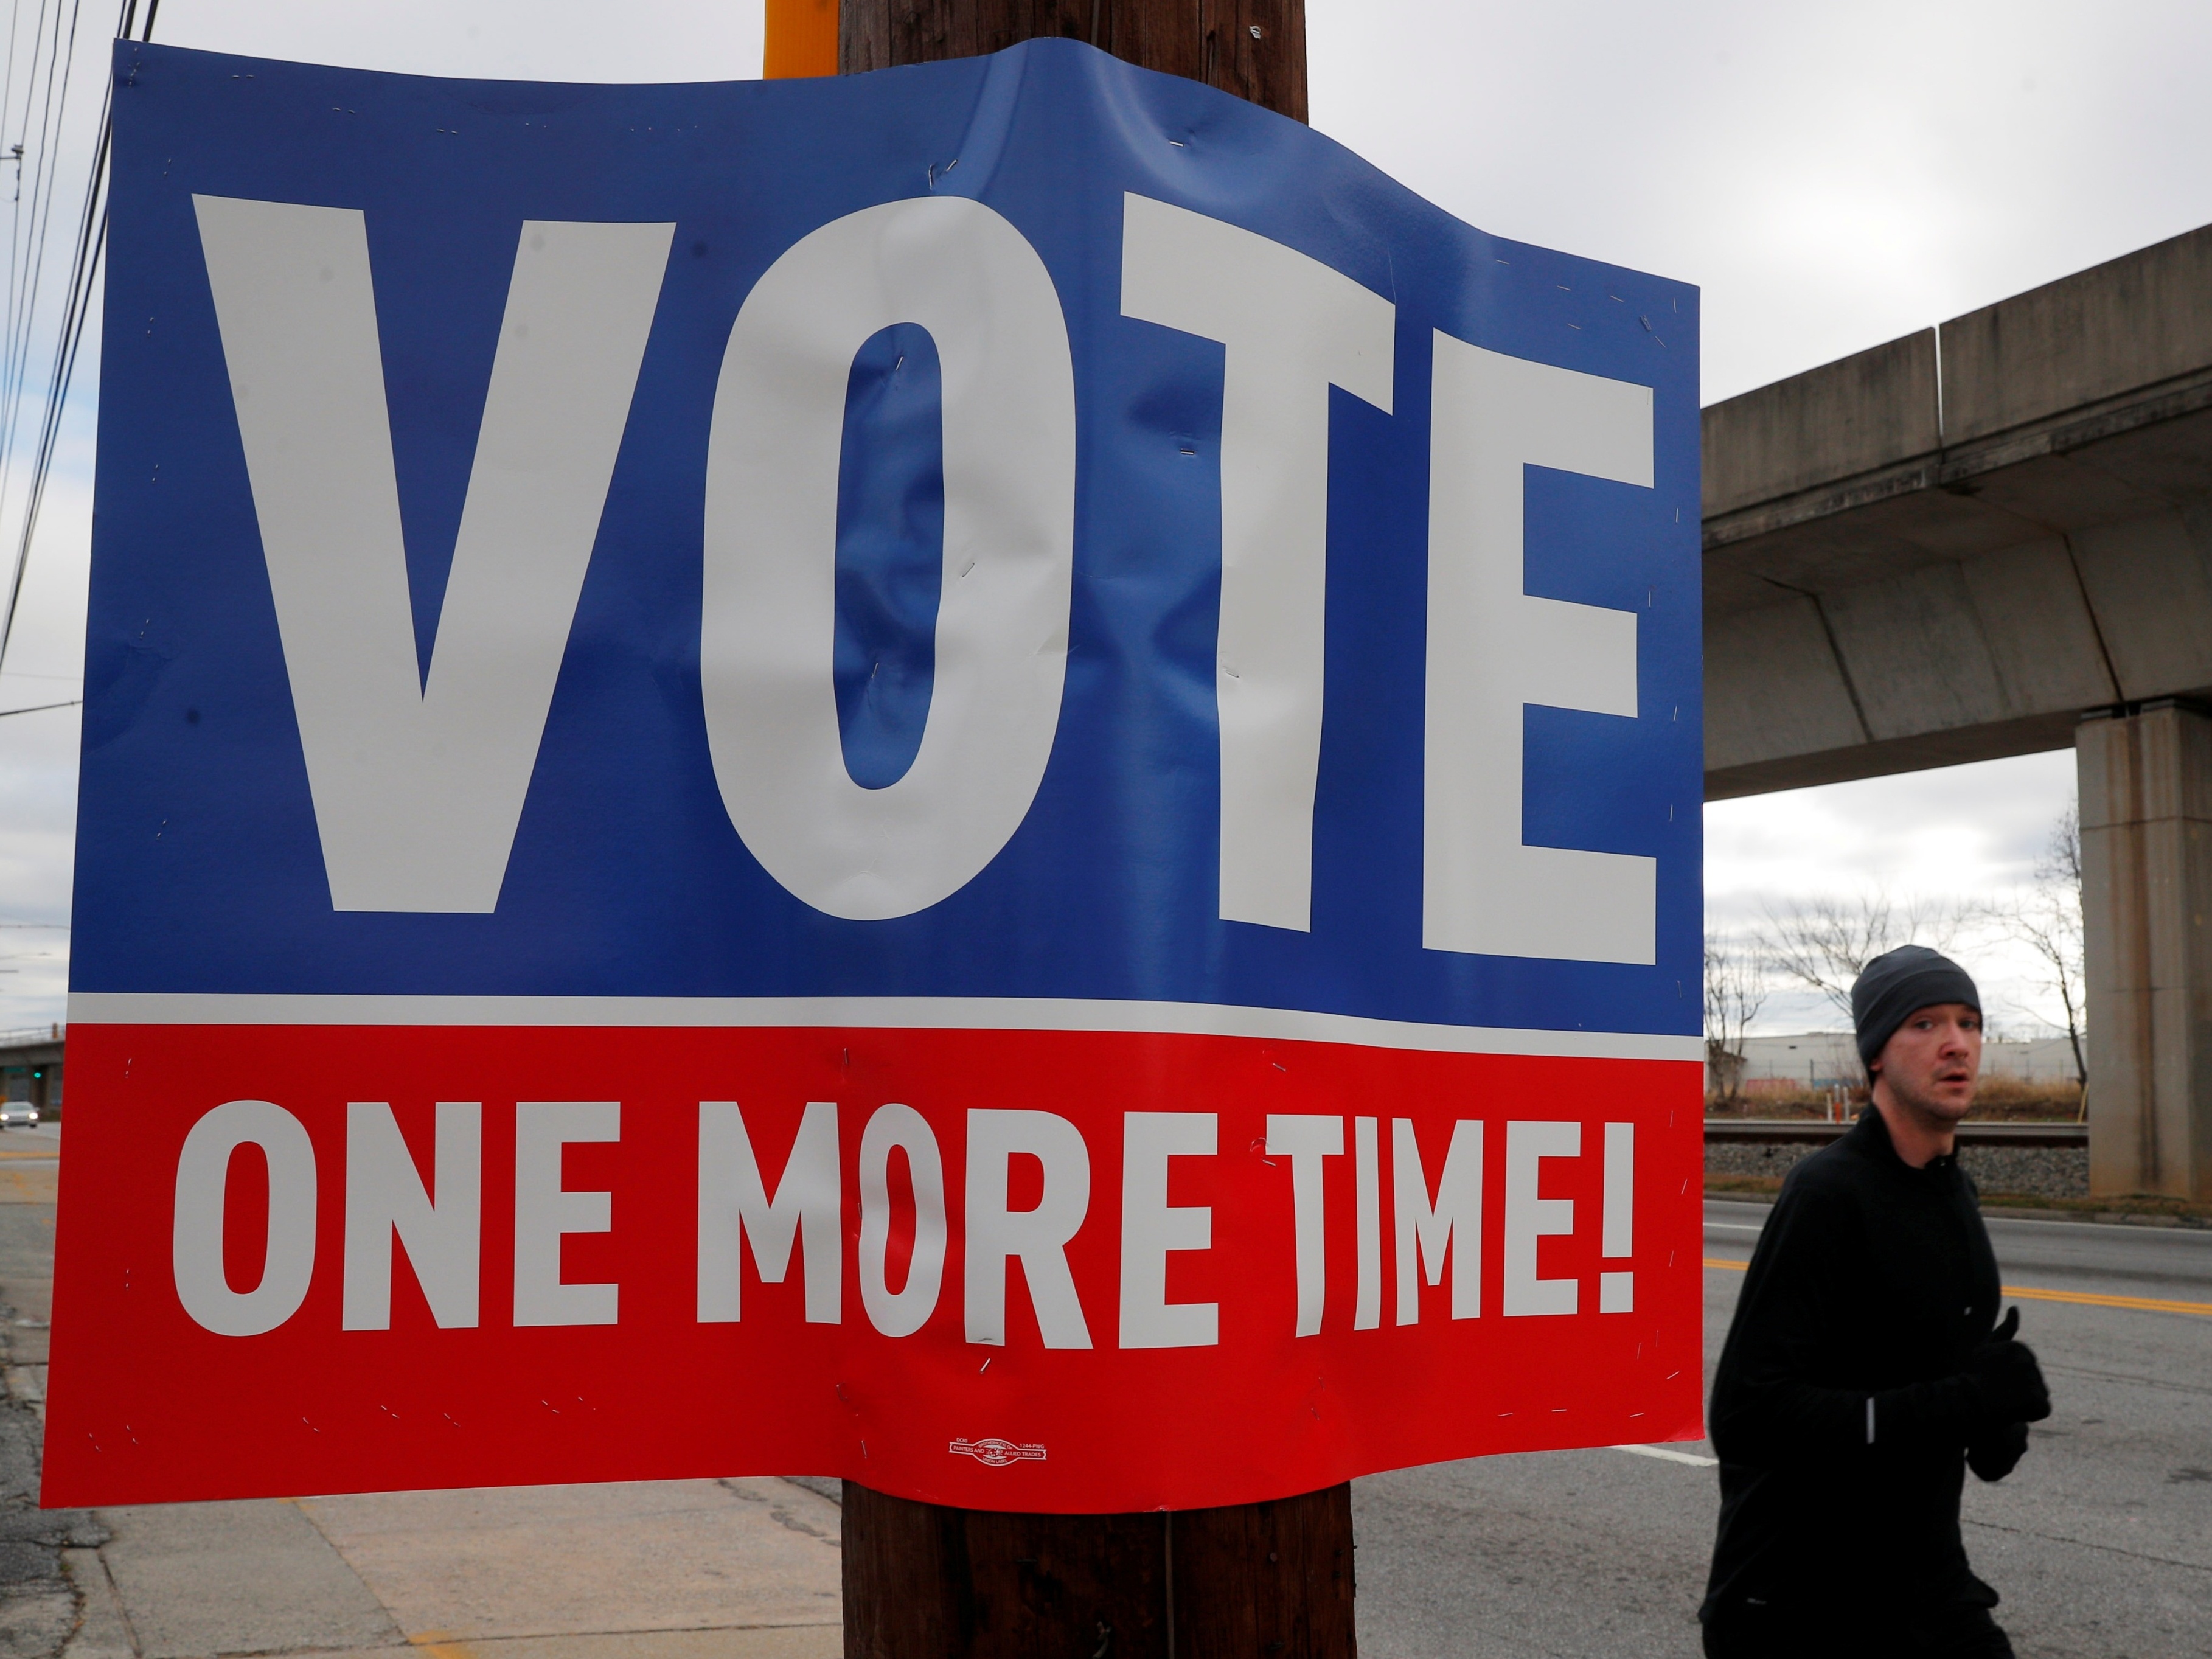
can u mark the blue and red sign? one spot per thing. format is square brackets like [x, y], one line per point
[999, 762]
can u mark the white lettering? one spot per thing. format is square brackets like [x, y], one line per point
[1453, 1222]
[1367, 1222]
[1037, 1238]
[1291, 328]
[1530, 1218]
[385, 1199]
[770, 603]
[1493, 649]
[1306, 1140]
[1150, 1227]
[1616, 1291]
[418, 779]
[203, 1182]
[904, 1311]
[545, 1212]
[734, 1205]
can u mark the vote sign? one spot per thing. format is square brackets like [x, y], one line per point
[985, 777]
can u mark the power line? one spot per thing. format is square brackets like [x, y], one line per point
[31, 261]
[52, 122]
[26, 245]
[82, 274]
[85, 271]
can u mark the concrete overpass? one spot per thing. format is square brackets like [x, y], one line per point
[1989, 538]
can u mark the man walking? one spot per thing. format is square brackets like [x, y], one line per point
[1866, 1369]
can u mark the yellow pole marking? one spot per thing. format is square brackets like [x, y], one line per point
[2086, 1298]
[801, 40]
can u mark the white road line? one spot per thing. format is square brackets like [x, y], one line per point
[1731, 1227]
[1661, 1452]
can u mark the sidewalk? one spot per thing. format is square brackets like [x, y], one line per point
[746, 1569]
[664, 1569]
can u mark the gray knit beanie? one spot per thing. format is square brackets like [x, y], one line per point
[1898, 984]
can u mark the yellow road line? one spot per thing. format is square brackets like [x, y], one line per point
[2087, 1298]
[2145, 1304]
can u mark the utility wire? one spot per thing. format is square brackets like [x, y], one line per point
[8, 91]
[53, 123]
[18, 233]
[26, 252]
[33, 255]
[84, 273]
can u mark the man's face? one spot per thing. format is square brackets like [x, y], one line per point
[1934, 1060]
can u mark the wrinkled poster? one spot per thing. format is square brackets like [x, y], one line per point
[985, 777]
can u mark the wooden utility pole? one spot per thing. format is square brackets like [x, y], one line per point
[1266, 1580]
[1253, 48]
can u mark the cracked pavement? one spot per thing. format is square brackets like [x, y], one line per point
[2101, 1543]
[739, 1569]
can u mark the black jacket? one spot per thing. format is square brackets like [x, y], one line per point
[1838, 1410]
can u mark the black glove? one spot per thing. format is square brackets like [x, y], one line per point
[2008, 1384]
[1996, 1455]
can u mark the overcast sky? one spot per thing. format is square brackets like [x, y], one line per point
[1832, 177]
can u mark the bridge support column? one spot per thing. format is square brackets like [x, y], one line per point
[2145, 793]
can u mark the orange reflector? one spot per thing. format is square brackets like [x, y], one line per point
[802, 38]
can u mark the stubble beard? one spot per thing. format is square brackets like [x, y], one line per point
[1927, 1106]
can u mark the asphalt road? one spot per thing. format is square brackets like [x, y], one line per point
[2100, 1542]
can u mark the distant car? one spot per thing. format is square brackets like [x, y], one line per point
[19, 1114]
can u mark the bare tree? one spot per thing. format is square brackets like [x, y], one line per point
[1824, 943]
[1735, 990]
[2046, 917]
